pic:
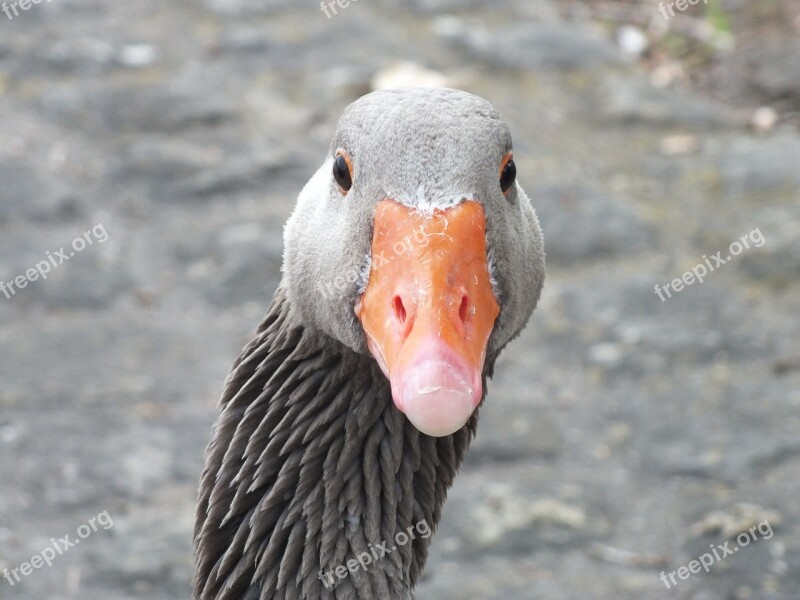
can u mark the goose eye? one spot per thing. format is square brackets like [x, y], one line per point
[508, 175]
[341, 173]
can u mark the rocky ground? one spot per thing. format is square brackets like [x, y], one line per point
[623, 435]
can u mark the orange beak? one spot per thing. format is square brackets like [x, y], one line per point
[429, 309]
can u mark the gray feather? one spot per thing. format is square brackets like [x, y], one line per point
[304, 477]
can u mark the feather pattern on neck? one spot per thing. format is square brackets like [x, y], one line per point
[310, 465]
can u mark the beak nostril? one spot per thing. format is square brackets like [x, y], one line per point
[462, 310]
[399, 309]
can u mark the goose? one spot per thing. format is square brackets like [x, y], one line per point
[411, 259]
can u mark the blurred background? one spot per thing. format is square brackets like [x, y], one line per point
[622, 435]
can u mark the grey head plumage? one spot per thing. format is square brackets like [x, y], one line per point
[423, 147]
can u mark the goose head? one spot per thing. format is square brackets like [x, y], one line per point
[415, 244]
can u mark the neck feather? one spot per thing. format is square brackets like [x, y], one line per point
[311, 466]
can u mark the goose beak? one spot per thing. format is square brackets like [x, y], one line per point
[429, 309]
